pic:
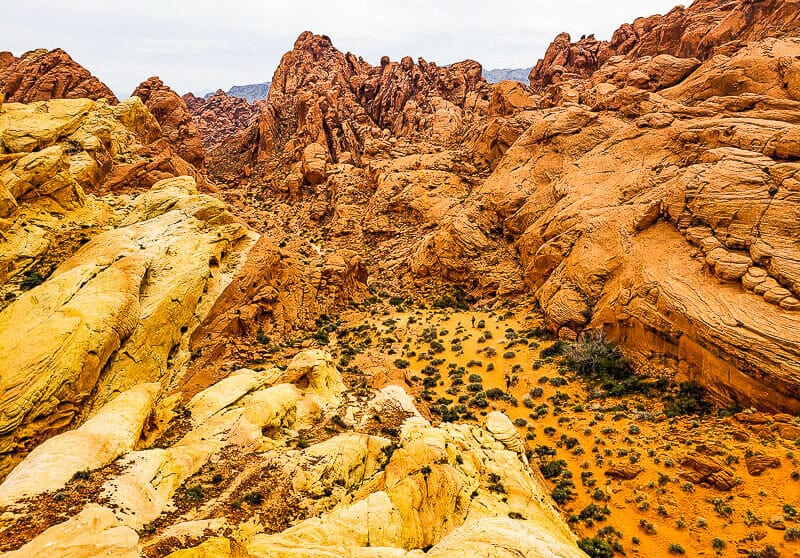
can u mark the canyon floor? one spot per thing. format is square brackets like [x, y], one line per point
[619, 467]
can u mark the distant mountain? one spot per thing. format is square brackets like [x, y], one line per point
[251, 93]
[514, 74]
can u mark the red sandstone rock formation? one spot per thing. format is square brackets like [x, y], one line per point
[320, 95]
[704, 29]
[40, 75]
[174, 118]
[221, 116]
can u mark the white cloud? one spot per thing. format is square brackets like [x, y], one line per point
[205, 44]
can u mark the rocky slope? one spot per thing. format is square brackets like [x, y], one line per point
[122, 278]
[704, 29]
[345, 106]
[220, 116]
[40, 75]
[173, 116]
[161, 388]
[256, 438]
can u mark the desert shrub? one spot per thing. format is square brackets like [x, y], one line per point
[675, 548]
[194, 492]
[254, 498]
[562, 495]
[495, 394]
[401, 363]
[596, 547]
[553, 468]
[688, 401]
[792, 534]
[31, 279]
[593, 356]
[593, 512]
[556, 349]
[602, 363]
[768, 551]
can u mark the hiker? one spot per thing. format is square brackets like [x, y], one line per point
[473, 321]
[508, 382]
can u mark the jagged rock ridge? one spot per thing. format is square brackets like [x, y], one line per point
[39, 75]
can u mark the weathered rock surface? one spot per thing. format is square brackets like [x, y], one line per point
[125, 284]
[221, 116]
[41, 75]
[372, 496]
[701, 468]
[700, 31]
[605, 207]
[173, 116]
[320, 95]
[620, 206]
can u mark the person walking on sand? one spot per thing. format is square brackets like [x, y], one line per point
[473, 321]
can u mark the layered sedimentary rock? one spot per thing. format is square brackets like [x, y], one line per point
[41, 75]
[424, 492]
[173, 116]
[122, 286]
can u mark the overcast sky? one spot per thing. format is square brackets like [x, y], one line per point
[196, 45]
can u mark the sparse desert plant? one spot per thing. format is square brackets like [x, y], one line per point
[689, 400]
[31, 279]
[596, 547]
[556, 349]
[254, 498]
[194, 492]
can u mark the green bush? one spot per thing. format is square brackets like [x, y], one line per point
[552, 469]
[254, 498]
[556, 349]
[596, 547]
[690, 400]
[30, 280]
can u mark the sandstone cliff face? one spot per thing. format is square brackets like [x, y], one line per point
[173, 116]
[40, 75]
[124, 283]
[627, 212]
[700, 31]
